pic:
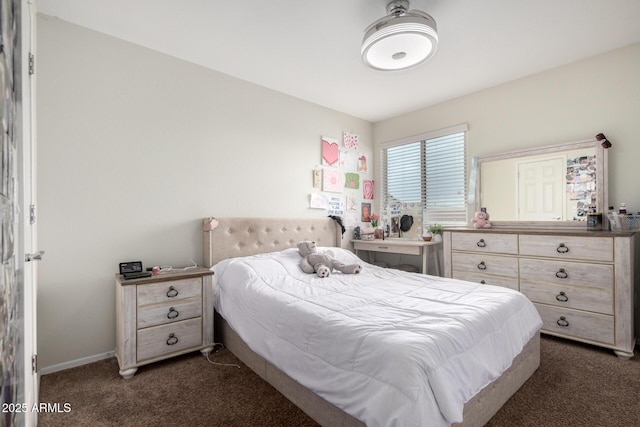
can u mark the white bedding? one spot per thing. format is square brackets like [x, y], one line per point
[388, 347]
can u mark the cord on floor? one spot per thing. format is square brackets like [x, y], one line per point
[216, 348]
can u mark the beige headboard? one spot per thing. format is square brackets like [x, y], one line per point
[234, 237]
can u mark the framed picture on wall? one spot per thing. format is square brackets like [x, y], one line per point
[365, 214]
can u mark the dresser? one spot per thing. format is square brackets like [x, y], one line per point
[163, 316]
[582, 283]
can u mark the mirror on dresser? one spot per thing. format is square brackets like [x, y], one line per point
[546, 187]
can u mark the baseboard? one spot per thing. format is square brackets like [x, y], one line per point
[76, 363]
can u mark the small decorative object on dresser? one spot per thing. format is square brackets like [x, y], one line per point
[163, 316]
[481, 220]
[581, 282]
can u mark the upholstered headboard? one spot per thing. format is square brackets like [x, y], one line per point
[234, 237]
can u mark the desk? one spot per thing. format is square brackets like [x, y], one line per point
[398, 246]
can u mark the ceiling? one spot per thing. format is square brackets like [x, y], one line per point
[310, 49]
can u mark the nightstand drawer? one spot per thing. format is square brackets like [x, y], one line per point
[160, 340]
[173, 311]
[170, 290]
[579, 324]
[485, 242]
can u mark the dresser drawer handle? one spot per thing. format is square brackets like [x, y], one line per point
[173, 340]
[562, 321]
[481, 243]
[173, 292]
[562, 249]
[173, 313]
[562, 297]
[482, 266]
[383, 247]
[561, 274]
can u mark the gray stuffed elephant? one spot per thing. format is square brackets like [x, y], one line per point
[322, 263]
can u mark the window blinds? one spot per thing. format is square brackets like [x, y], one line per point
[431, 172]
[403, 174]
[446, 180]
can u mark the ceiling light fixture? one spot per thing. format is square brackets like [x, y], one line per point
[403, 39]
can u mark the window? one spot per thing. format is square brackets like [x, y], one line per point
[429, 170]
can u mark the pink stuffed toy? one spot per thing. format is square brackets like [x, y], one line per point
[481, 220]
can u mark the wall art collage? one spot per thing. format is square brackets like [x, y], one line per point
[342, 182]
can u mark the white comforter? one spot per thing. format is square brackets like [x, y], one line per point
[388, 347]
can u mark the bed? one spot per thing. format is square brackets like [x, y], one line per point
[340, 379]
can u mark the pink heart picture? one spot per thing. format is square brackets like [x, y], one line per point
[330, 152]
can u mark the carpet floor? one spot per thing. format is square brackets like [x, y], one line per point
[576, 385]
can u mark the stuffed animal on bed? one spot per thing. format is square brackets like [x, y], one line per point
[322, 263]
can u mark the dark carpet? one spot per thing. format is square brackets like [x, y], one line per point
[576, 385]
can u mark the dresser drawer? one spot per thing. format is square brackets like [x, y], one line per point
[494, 265]
[170, 311]
[581, 298]
[505, 282]
[171, 290]
[485, 242]
[579, 324]
[160, 340]
[568, 247]
[567, 273]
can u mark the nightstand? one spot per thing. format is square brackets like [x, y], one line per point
[163, 316]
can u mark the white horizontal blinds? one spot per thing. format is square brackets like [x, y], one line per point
[403, 166]
[446, 180]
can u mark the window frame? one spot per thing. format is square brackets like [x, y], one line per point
[461, 128]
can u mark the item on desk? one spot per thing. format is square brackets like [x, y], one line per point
[406, 221]
[367, 233]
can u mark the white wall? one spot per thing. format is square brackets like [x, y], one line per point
[135, 147]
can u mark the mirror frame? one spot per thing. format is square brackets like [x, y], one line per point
[602, 189]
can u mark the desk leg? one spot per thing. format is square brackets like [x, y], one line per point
[425, 260]
[370, 255]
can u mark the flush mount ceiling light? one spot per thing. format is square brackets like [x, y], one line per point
[403, 39]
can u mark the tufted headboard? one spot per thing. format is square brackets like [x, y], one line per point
[234, 237]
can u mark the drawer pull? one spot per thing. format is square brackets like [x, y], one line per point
[173, 292]
[173, 313]
[482, 282]
[562, 297]
[561, 274]
[481, 243]
[173, 340]
[562, 321]
[383, 247]
[562, 249]
[482, 266]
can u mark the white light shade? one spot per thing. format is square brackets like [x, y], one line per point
[399, 42]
